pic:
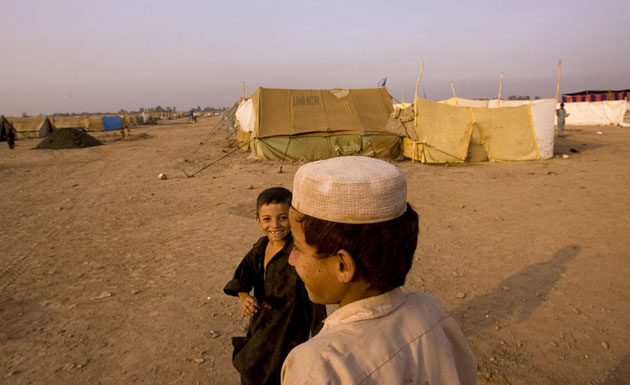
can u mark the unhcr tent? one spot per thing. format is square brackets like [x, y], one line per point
[444, 131]
[5, 126]
[34, 127]
[318, 124]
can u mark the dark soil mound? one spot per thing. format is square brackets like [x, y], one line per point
[68, 138]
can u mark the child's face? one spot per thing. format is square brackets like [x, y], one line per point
[273, 219]
[317, 272]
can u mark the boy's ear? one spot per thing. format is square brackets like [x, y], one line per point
[346, 268]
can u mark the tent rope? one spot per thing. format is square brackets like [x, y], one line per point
[203, 141]
[284, 157]
[211, 163]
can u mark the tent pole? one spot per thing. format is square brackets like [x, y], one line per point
[284, 157]
[418, 82]
[453, 90]
[500, 88]
[559, 76]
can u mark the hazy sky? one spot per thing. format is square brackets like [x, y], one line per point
[87, 55]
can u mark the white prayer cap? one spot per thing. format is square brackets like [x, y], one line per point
[351, 189]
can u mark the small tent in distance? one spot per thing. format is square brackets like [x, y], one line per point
[32, 127]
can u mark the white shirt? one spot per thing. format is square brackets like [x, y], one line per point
[392, 338]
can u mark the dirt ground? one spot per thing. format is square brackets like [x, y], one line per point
[109, 275]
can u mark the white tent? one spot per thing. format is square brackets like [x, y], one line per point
[609, 112]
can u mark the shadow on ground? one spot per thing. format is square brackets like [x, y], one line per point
[621, 374]
[522, 292]
[574, 142]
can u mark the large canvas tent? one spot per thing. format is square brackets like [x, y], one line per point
[32, 127]
[457, 130]
[318, 124]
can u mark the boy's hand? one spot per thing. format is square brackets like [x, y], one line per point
[249, 305]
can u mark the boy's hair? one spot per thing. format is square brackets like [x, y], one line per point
[273, 195]
[383, 252]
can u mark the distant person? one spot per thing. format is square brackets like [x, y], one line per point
[11, 138]
[562, 114]
[282, 316]
[355, 237]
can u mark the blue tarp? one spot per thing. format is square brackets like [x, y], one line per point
[111, 123]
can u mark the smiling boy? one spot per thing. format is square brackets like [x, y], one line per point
[355, 238]
[281, 314]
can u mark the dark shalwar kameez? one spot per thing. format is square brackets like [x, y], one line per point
[285, 319]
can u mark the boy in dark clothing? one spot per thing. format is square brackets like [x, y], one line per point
[282, 316]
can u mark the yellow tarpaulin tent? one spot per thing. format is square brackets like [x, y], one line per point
[444, 133]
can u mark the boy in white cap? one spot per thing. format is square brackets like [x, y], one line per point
[355, 236]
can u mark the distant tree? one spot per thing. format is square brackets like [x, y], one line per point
[168, 109]
[515, 97]
[24, 114]
[159, 108]
[122, 111]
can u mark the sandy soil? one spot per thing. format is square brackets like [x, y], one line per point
[109, 275]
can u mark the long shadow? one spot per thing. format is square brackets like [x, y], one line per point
[522, 292]
[572, 141]
[621, 374]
